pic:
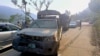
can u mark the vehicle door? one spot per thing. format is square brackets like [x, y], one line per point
[5, 35]
[13, 29]
[7, 32]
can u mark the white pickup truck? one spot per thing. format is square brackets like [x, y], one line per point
[42, 37]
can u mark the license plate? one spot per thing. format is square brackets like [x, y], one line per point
[32, 45]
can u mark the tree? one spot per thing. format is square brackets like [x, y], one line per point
[38, 4]
[15, 17]
[47, 3]
[12, 17]
[3, 20]
[94, 6]
[22, 7]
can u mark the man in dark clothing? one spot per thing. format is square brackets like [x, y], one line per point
[80, 24]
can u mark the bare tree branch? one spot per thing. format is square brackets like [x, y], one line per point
[21, 7]
[47, 4]
[24, 2]
[34, 3]
[38, 4]
[41, 4]
[14, 2]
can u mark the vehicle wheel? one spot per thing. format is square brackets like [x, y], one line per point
[56, 51]
[55, 54]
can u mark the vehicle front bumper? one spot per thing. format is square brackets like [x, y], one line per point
[37, 50]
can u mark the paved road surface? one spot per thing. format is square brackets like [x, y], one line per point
[82, 45]
[75, 42]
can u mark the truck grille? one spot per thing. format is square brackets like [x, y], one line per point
[37, 38]
[26, 40]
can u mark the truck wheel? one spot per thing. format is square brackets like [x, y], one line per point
[55, 54]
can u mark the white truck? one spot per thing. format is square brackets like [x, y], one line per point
[43, 36]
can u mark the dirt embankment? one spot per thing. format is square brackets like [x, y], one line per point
[95, 40]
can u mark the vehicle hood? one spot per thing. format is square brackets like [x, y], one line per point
[38, 32]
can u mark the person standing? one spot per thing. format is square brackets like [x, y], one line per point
[80, 24]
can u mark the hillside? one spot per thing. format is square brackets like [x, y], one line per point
[6, 12]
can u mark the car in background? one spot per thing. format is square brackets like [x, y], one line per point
[7, 30]
[73, 24]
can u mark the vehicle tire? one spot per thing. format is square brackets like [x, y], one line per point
[55, 54]
[56, 51]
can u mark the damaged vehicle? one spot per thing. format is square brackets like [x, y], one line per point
[42, 37]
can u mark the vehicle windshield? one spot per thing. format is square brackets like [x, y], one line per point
[48, 16]
[44, 24]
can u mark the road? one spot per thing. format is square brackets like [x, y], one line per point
[82, 45]
[75, 42]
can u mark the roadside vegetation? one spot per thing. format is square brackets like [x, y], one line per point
[95, 38]
[96, 26]
[94, 6]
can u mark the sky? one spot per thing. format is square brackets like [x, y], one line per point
[74, 6]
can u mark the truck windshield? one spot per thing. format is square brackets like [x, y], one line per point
[44, 24]
[48, 16]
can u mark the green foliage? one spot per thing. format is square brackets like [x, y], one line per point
[13, 17]
[3, 20]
